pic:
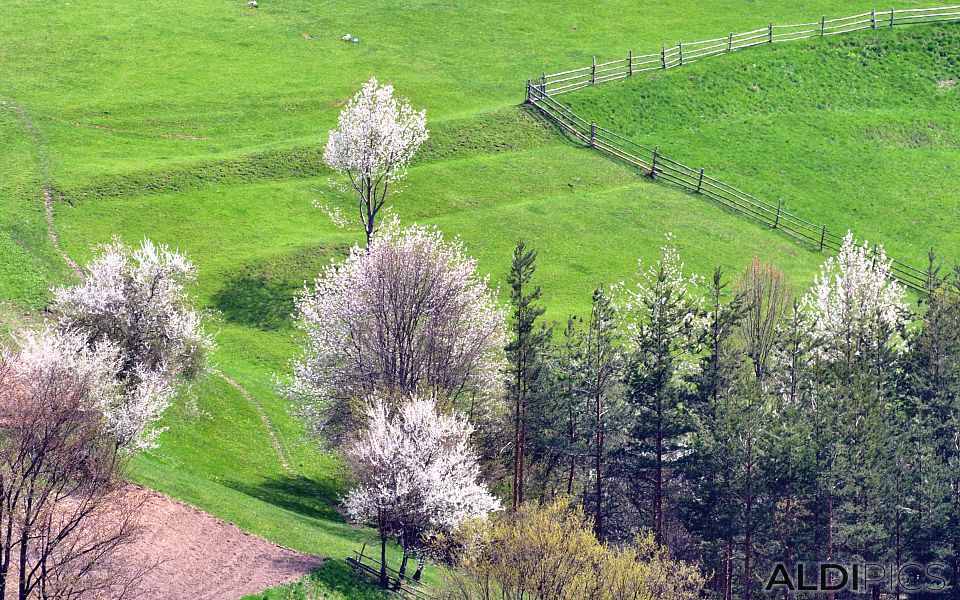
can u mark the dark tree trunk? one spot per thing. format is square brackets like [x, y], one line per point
[598, 464]
[384, 582]
[748, 526]
[571, 433]
[419, 571]
[658, 477]
[728, 568]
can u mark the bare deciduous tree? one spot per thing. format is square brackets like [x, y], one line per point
[767, 299]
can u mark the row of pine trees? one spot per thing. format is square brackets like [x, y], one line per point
[742, 424]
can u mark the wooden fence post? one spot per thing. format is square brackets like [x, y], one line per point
[663, 55]
[873, 19]
[593, 134]
[776, 221]
[771, 32]
[529, 92]
[730, 43]
[653, 167]
[543, 83]
[593, 72]
[823, 23]
[891, 16]
[630, 61]
[700, 181]
[823, 235]
[680, 51]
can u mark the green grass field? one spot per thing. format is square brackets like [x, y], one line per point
[200, 123]
[861, 132]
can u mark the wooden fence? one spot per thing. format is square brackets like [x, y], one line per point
[685, 53]
[543, 94]
[399, 586]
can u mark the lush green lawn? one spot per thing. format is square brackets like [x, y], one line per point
[199, 123]
[861, 132]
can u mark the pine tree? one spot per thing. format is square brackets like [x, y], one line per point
[601, 368]
[933, 379]
[569, 386]
[710, 512]
[663, 324]
[526, 353]
[858, 313]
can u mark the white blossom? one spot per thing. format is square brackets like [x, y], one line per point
[408, 314]
[39, 356]
[134, 300]
[854, 302]
[417, 474]
[128, 414]
[663, 313]
[376, 137]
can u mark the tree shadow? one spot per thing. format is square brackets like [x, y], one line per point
[316, 499]
[256, 300]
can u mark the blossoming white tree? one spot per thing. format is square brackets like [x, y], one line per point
[377, 135]
[61, 468]
[135, 301]
[48, 354]
[417, 474]
[406, 315]
[856, 305]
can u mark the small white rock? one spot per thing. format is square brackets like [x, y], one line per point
[252, 3]
[355, 40]
[347, 37]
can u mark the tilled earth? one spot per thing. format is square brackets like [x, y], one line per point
[200, 557]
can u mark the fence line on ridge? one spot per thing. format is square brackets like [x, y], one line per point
[542, 94]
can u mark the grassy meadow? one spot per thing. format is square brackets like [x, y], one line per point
[860, 132]
[200, 124]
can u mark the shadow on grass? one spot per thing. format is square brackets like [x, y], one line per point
[261, 293]
[334, 580]
[256, 300]
[316, 499]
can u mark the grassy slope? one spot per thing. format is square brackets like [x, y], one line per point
[202, 130]
[27, 261]
[861, 132]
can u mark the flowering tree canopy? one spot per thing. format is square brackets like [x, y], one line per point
[406, 315]
[855, 303]
[375, 139]
[134, 301]
[55, 356]
[417, 474]
[61, 468]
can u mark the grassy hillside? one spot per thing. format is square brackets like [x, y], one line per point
[861, 132]
[200, 123]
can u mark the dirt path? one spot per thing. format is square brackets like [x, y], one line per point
[44, 170]
[203, 558]
[267, 423]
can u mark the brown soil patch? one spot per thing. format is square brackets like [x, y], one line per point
[200, 557]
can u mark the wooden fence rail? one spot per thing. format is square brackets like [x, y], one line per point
[685, 53]
[542, 94]
[399, 586]
[658, 166]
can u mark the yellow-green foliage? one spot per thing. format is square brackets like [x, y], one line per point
[550, 553]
